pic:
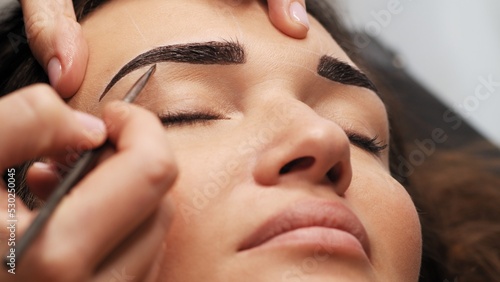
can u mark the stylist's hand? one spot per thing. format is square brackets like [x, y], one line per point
[57, 40]
[110, 227]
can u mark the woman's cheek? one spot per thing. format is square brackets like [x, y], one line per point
[390, 218]
[407, 248]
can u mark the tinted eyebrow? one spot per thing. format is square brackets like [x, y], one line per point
[206, 53]
[338, 71]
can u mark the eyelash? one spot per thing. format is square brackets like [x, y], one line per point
[187, 118]
[372, 145]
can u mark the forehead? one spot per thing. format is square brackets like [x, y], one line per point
[121, 29]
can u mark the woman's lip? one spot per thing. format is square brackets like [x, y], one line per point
[307, 221]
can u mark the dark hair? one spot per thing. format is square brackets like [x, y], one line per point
[456, 189]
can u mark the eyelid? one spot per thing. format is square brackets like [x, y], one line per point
[173, 118]
[373, 145]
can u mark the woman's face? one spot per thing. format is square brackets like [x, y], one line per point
[276, 180]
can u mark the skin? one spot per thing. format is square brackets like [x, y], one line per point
[276, 96]
[278, 85]
[55, 35]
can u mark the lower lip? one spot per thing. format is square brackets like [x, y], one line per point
[322, 240]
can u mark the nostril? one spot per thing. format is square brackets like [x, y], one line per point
[335, 173]
[297, 164]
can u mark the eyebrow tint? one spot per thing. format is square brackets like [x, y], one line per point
[335, 70]
[229, 53]
[206, 53]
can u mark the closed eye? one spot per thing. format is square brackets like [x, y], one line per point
[372, 145]
[170, 119]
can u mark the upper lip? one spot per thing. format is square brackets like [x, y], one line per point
[309, 214]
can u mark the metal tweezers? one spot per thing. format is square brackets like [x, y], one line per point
[82, 167]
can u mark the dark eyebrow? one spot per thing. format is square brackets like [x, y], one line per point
[206, 53]
[338, 71]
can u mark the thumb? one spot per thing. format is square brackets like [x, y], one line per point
[290, 17]
[56, 39]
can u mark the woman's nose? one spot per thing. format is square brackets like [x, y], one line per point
[308, 147]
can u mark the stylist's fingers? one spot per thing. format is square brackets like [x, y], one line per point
[42, 178]
[57, 41]
[38, 123]
[121, 192]
[290, 17]
[147, 243]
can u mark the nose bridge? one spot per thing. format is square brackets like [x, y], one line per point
[282, 122]
[275, 120]
[284, 115]
[293, 122]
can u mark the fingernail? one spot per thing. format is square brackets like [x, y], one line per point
[298, 14]
[54, 69]
[94, 126]
[43, 166]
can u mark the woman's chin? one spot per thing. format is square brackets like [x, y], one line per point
[304, 264]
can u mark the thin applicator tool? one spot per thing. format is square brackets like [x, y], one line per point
[82, 167]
